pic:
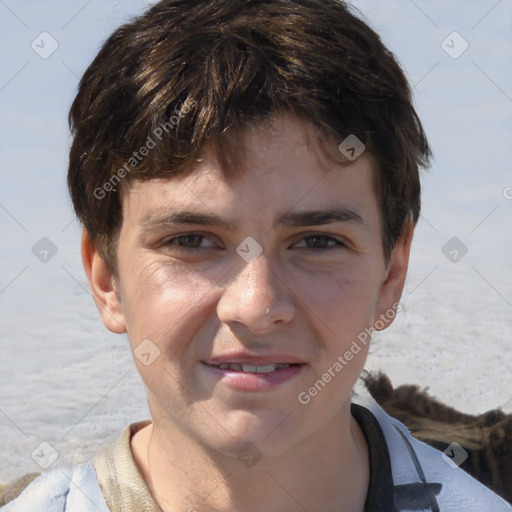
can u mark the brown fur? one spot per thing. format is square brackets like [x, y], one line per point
[486, 437]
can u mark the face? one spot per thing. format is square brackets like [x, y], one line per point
[246, 291]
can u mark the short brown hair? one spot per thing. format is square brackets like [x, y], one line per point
[186, 72]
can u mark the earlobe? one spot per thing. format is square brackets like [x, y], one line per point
[103, 286]
[393, 284]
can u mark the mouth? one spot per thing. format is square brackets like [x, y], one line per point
[250, 377]
[252, 368]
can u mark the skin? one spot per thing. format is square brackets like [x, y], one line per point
[205, 300]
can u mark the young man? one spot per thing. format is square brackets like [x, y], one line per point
[247, 178]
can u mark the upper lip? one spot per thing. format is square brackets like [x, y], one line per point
[256, 360]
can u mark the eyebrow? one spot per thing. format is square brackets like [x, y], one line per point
[155, 221]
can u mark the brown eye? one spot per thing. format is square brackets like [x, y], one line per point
[319, 241]
[192, 241]
[189, 241]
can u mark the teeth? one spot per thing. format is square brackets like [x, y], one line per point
[265, 369]
[251, 368]
[231, 366]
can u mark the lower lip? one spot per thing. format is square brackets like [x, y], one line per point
[255, 381]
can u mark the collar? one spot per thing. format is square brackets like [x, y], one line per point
[118, 475]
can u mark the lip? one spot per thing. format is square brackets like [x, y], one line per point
[251, 382]
[257, 360]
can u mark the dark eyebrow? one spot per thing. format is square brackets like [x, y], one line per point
[319, 217]
[155, 221]
[290, 219]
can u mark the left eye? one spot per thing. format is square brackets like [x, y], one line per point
[318, 241]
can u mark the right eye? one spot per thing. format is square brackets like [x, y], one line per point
[189, 241]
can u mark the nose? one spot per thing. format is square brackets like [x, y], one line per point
[257, 297]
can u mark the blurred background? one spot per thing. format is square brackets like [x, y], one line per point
[68, 386]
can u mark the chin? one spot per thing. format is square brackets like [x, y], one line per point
[251, 434]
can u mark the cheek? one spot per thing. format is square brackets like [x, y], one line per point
[163, 305]
[171, 309]
[343, 298]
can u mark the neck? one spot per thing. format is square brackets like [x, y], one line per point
[328, 471]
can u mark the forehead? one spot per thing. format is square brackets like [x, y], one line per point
[277, 167]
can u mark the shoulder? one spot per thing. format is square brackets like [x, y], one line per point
[59, 490]
[11, 491]
[415, 464]
[110, 481]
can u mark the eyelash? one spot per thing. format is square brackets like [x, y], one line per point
[328, 238]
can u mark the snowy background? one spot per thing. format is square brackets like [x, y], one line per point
[66, 381]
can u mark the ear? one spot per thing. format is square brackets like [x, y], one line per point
[103, 286]
[394, 279]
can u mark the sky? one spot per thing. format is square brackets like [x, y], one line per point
[65, 379]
